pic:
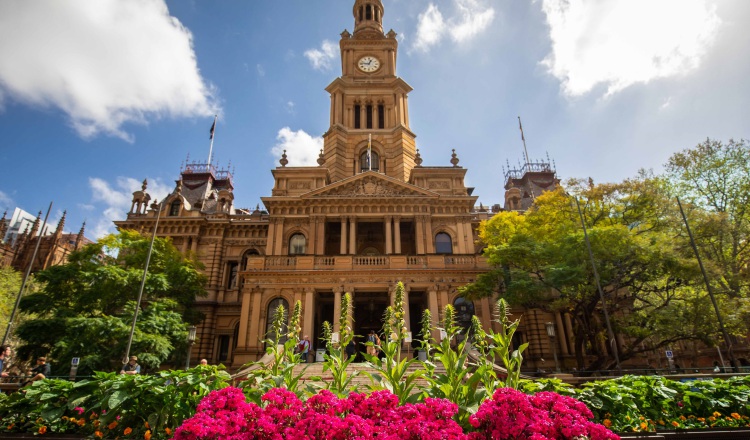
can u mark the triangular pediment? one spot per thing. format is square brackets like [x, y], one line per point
[370, 184]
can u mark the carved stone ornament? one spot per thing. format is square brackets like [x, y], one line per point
[369, 187]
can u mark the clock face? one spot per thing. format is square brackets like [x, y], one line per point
[368, 64]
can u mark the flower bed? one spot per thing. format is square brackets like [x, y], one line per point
[508, 415]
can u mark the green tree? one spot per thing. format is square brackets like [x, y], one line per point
[713, 178]
[540, 259]
[86, 306]
[10, 283]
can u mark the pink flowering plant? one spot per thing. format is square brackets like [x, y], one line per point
[225, 414]
[513, 415]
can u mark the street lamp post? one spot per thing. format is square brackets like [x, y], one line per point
[191, 341]
[553, 342]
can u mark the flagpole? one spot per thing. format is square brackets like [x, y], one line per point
[26, 277]
[211, 148]
[525, 151]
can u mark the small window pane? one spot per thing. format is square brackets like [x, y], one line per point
[443, 244]
[174, 208]
[297, 244]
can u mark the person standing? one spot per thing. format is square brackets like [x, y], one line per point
[4, 359]
[304, 348]
[131, 367]
[373, 342]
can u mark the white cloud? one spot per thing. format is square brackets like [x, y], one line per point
[289, 107]
[6, 202]
[301, 149]
[105, 63]
[621, 43]
[116, 200]
[430, 28]
[470, 19]
[322, 59]
[261, 71]
[473, 20]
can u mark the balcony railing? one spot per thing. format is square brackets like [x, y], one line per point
[367, 262]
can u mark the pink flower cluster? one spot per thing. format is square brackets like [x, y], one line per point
[225, 414]
[513, 415]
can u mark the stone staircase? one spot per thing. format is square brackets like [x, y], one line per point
[312, 372]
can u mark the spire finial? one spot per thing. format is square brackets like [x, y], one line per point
[418, 159]
[61, 223]
[79, 239]
[454, 158]
[321, 159]
[283, 160]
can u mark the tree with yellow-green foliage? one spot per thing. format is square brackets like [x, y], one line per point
[649, 279]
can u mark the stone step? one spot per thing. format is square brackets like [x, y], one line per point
[312, 372]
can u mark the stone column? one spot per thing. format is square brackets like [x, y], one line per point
[337, 307]
[313, 225]
[429, 239]
[420, 235]
[343, 235]
[244, 318]
[353, 235]
[570, 335]
[397, 234]
[560, 329]
[309, 307]
[407, 314]
[320, 245]
[432, 305]
[271, 235]
[279, 239]
[256, 332]
[388, 236]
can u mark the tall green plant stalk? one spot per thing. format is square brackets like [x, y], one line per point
[335, 358]
[280, 372]
[456, 384]
[392, 370]
[501, 343]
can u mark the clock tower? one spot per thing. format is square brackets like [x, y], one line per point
[368, 101]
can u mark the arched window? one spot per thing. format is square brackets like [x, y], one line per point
[464, 312]
[365, 160]
[243, 264]
[297, 245]
[270, 314]
[174, 208]
[443, 244]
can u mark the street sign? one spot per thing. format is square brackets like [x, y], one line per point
[670, 355]
[75, 361]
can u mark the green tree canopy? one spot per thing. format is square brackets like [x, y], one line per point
[714, 179]
[540, 259]
[86, 306]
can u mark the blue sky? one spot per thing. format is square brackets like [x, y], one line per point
[95, 96]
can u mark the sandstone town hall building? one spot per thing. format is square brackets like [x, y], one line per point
[369, 215]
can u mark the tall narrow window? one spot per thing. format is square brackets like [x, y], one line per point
[357, 116]
[369, 12]
[232, 280]
[297, 244]
[381, 116]
[369, 115]
[365, 161]
[361, 9]
[223, 348]
[174, 208]
[443, 244]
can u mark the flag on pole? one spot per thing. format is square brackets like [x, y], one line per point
[213, 128]
[521, 128]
